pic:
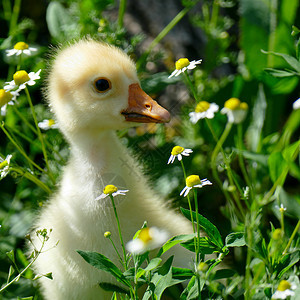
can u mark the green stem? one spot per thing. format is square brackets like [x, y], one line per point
[272, 36]
[163, 33]
[120, 258]
[122, 9]
[190, 206]
[24, 270]
[198, 225]
[119, 230]
[214, 13]
[199, 287]
[214, 165]
[280, 179]
[20, 62]
[40, 136]
[242, 163]
[20, 149]
[14, 17]
[248, 262]
[282, 220]
[34, 179]
[229, 172]
[20, 115]
[190, 84]
[291, 238]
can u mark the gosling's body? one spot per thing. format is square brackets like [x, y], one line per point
[89, 120]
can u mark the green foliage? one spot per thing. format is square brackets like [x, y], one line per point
[250, 50]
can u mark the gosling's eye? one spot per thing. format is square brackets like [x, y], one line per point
[102, 85]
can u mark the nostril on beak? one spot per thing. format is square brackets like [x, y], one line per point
[148, 106]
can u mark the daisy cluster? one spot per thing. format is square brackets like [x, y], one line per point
[21, 78]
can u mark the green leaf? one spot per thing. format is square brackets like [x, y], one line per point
[287, 261]
[235, 239]
[11, 256]
[289, 152]
[276, 164]
[101, 262]
[161, 280]
[224, 273]
[185, 294]
[211, 230]
[182, 273]
[254, 131]
[154, 263]
[109, 287]
[280, 73]
[174, 241]
[59, 21]
[205, 246]
[292, 61]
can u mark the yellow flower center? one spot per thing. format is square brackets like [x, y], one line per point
[51, 122]
[3, 164]
[232, 103]
[181, 63]
[202, 106]
[277, 234]
[20, 77]
[21, 46]
[109, 189]
[283, 285]
[177, 150]
[5, 97]
[144, 235]
[192, 180]
[244, 106]
[107, 234]
[281, 209]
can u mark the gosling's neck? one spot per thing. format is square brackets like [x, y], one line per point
[98, 151]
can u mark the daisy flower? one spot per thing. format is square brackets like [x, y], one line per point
[178, 151]
[7, 98]
[111, 190]
[193, 181]
[203, 110]
[296, 104]
[284, 290]
[21, 79]
[184, 64]
[281, 208]
[4, 165]
[48, 124]
[148, 239]
[20, 48]
[235, 110]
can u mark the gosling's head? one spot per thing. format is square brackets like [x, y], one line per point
[93, 86]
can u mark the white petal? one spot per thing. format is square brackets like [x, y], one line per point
[296, 104]
[136, 246]
[173, 73]
[184, 189]
[26, 51]
[11, 52]
[187, 191]
[205, 182]
[179, 157]
[3, 110]
[178, 72]
[170, 159]
[102, 196]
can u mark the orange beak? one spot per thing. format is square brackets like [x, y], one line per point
[142, 108]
